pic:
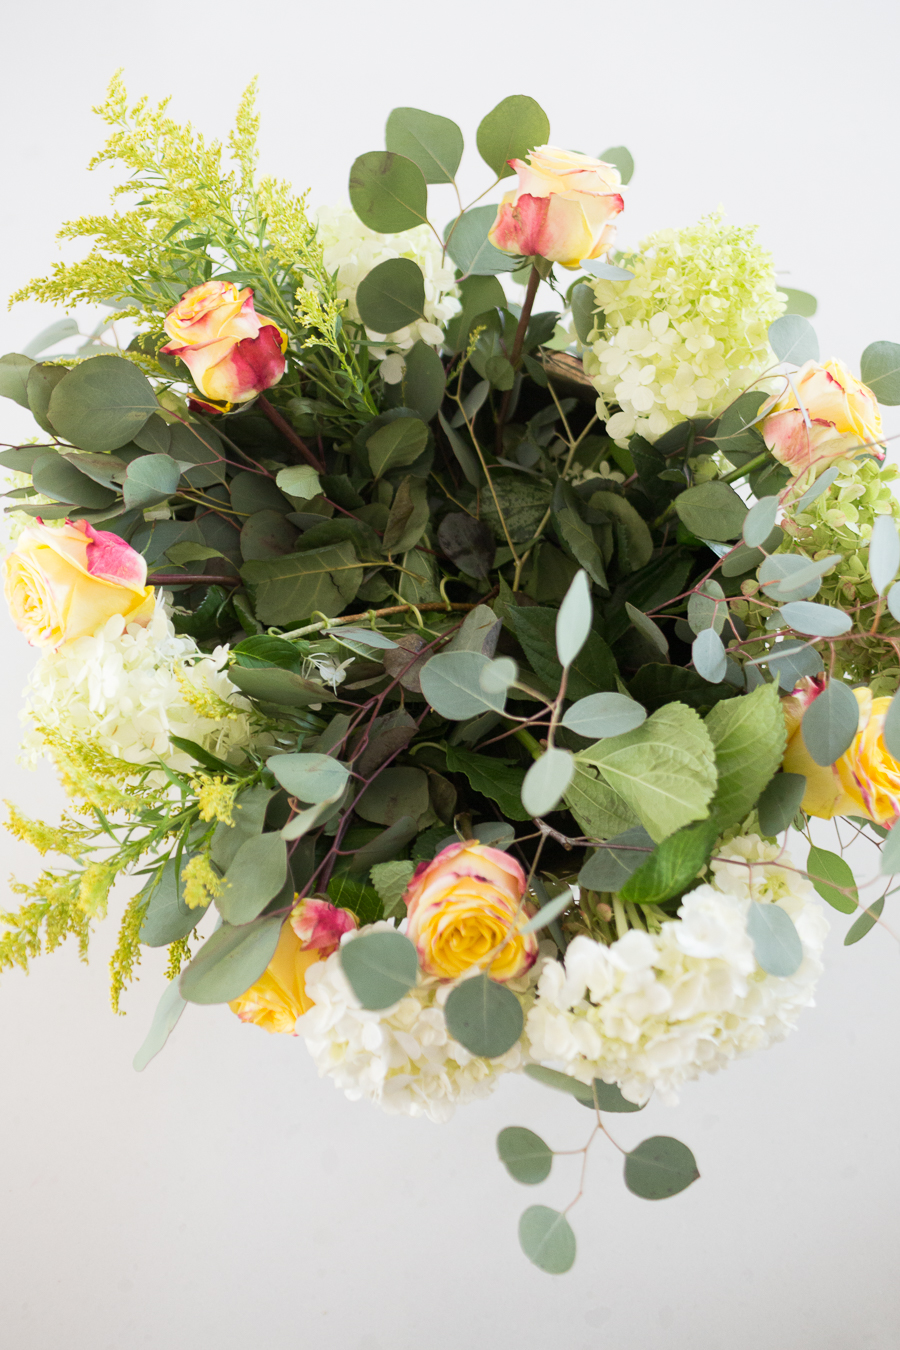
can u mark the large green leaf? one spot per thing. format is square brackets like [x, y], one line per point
[510, 131]
[471, 249]
[833, 879]
[434, 143]
[880, 369]
[248, 815]
[660, 1167]
[599, 810]
[256, 875]
[423, 381]
[311, 777]
[388, 192]
[168, 1012]
[524, 1155]
[749, 737]
[58, 478]
[634, 545]
[547, 1239]
[452, 685]
[396, 444]
[392, 295]
[664, 769]
[484, 1016]
[102, 403]
[712, 510]
[167, 918]
[592, 672]
[291, 588]
[673, 865]
[14, 371]
[575, 534]
[381, 968]
[149, 480]
[492, 778]
[231, 960]
[398, 792]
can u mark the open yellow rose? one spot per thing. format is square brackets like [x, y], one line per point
[842, 419]
[461, 906]
[64, 583]
[865, 781]
[562, 209]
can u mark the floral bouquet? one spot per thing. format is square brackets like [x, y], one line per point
[448, 671]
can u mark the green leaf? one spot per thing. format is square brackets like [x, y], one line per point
[408, 517]
[780, 802]
[634, 543]
[708, 656]
[434, 143]
[608, 1097]
[256, 875]
[102, 403]
[470, 248]
[397, 444]
[14, 370]
[392, 295]
[790, 576]
[231, 960]
[510, 131]
[776, 942]
[167, 918]
[600, 811]
[890, 852]
[248, 814]
[179, 554]
[799, 302]
[647, 628]
[673, 865]
[665, 769]
[790, 661]
[890, 731]
[385, 846]
[388, 192]
[561, 1082]
[300, 480]
[156, 437]
[165, 1019]
[484, 1016]
[465, 455]
[278, 686]
[759, 521]
[711, 510]
[824, 481]
[703, 611]
[56, 477]
[424, 381]
[621, 158]
[451, 684]
[381, 968]
[593, 669]
[573, 624]
[830, 723]
[548, 912]
[793, 340]
[601, 715]
[150, 479]
[524, 1155]
[866, 920]
[41, 381]
[884, 553]
[347, 892]
[583, 304]
[879, 369]
[399, 791]
[610, 867]
[292, 588]
[390, 880]
[817, 620]
[311, 777]
[304, 821]
[547, 780]
[833, 879]
[547, 1239]
[492, 778]
[575, 533]
[748, 737]
[660, 1167]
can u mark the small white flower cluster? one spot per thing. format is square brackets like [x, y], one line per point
[351, 249]
[688, 333]
[654, 1010]
[120, 691]
[401, 1058]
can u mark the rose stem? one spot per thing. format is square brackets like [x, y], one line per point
[289, 433]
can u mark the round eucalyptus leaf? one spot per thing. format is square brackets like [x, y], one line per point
[547, 780]
[167, 918]
[601, 715]
[547, 1239]
[231, 960]
[392, 295]
[451, 682]
[830, 723]
[880, 370]
[780, 802]
[42, 380]
[300, 480]
[790, 576]
[149, 480]
[708, 656]
[388, 192]
[256, 875]
[893, 600]
[510, 131]
[381, 968]
[793, 340]
[499, 675]
[660, 1167]
[524, 1155]
[884, 553]
[102, 403]
[703, 610]
[484, 1016]
[759, 521]
[891, 730]
[790, 660]
[471, 249]
[799, 302]
[58, 478]
[608, 1097]
[776, 942]
[14, 371]
[311, 777]
[623, 160]
[434, 143]
[573, 623]
[817, 620]
[822, 483]
[711, 511]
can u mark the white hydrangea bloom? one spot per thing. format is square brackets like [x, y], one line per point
[654, 1010]
[351, 249]
[120, 690]
[401, 1058]
[688, 333]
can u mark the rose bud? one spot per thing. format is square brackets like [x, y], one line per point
[844, 420]
[562, 209]
[232, 352]
[64, 583]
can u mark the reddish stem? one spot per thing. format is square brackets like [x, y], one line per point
[289, 433]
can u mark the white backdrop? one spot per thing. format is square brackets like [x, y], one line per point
[226, 1197]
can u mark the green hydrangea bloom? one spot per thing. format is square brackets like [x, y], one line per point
[688, 333]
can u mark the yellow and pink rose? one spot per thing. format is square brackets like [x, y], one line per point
[232, 352]
[841, 419]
